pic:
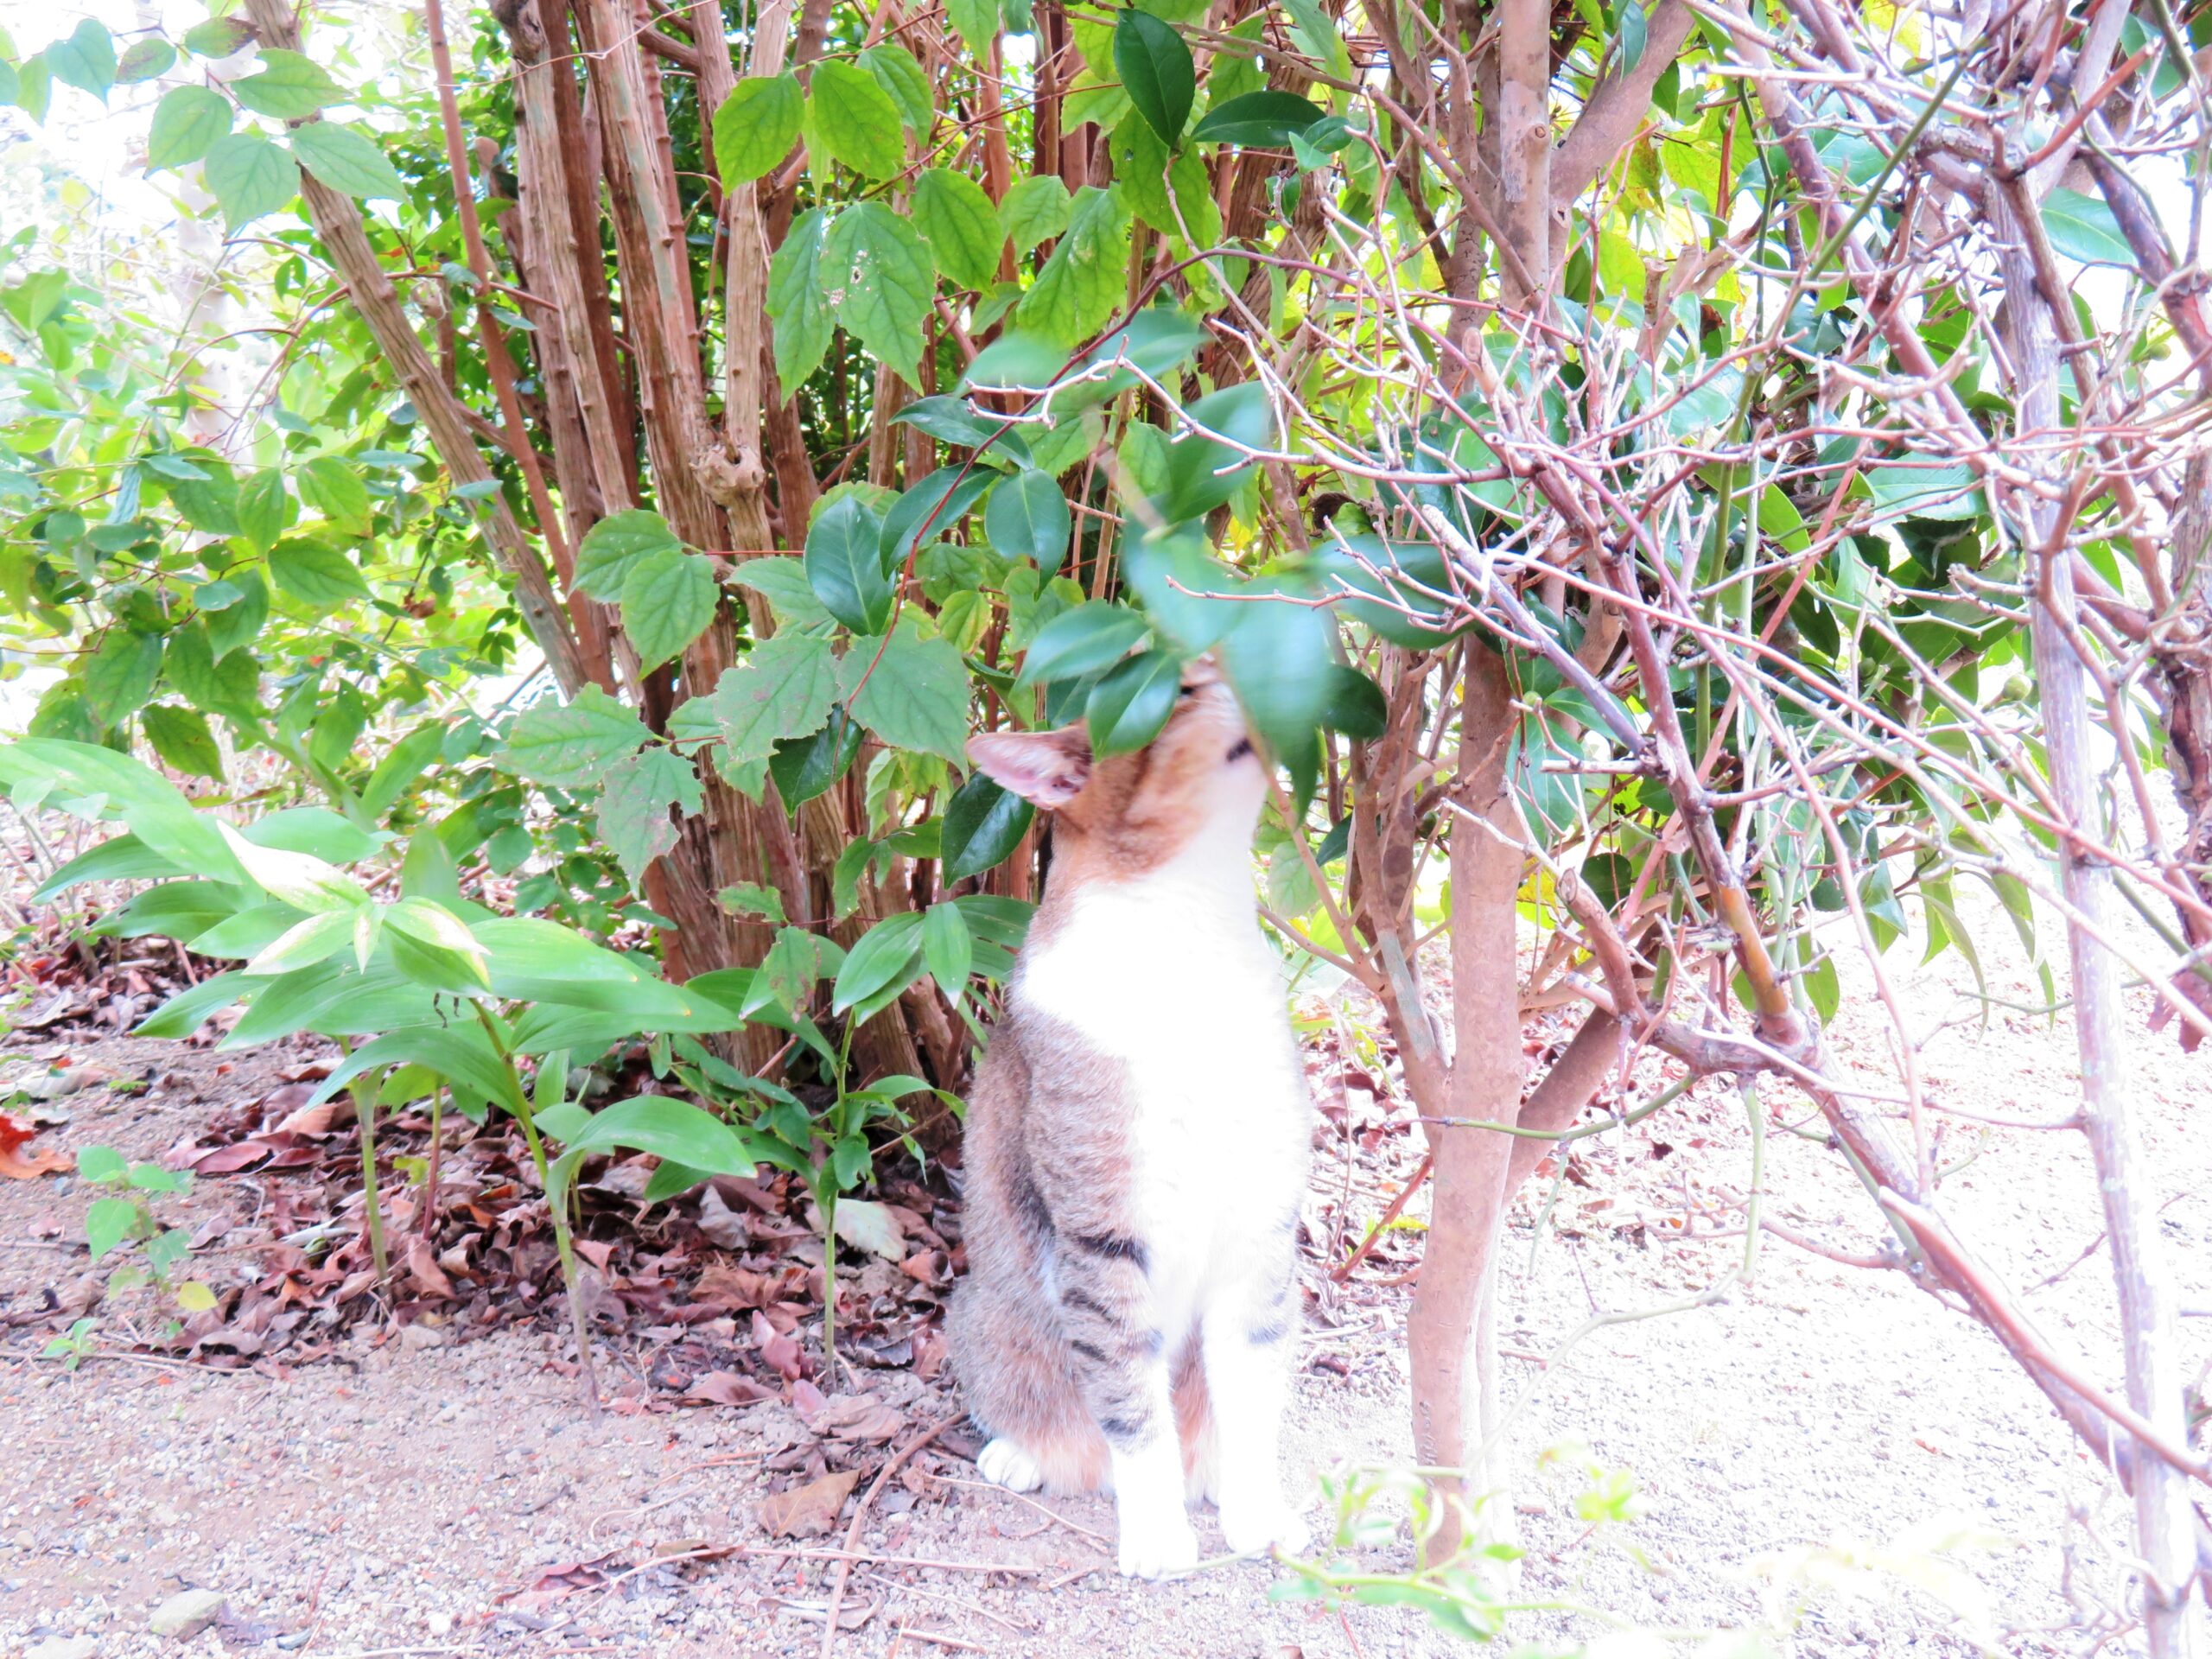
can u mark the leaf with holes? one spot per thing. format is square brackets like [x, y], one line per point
[634, 807]
[880, 281]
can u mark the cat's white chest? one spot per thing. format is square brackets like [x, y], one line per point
[1169, 974]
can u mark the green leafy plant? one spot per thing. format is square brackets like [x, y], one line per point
[126, 1217]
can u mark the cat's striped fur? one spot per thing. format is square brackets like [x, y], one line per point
[1137, 1148]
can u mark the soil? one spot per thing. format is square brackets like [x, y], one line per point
[1825, 1454]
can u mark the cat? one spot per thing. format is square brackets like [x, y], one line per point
[1137, 1142]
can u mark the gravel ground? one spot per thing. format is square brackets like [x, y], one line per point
[1826, 1451]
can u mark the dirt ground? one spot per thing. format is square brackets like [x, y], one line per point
[1826, 1455]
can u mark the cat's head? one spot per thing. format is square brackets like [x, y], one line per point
[1129, 812]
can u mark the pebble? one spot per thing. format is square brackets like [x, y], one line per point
[186, 1613]
[63, 1647]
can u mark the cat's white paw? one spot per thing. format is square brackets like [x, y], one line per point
[1158, 1547]
[1005, 1464]
[1251, 1527]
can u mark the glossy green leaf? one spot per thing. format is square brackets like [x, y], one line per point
[1156, 72]
[2084, 228]
[929, 510]
[1353, 704]
[948, 947]
[984, 823]
[1260, 120]
[1127, 710]
[1094, 635]
[887, 955]
[845, 565]
[1028, 518]
[805, 766]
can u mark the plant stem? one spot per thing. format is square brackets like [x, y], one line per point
[829, 1286]
[559, 1216]
[364, 1114]
[430, 1174]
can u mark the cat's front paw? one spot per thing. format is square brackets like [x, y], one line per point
[1251, 1527]
[1158, 1548]
[1005, 1464]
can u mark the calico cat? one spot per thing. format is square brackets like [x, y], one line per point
[1137, 1144]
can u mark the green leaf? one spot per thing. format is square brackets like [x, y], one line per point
[155, 810]
[805, 766]
[1028, 518]
[318, 938]
[915, 695]
[1148, 171]
[120, 677]
[175, 910]
[1277, 657]
[616, 542]
[671, 1129]
[783, 687]
[1156, 72]
[208, 504]
[934, 506]
[887, 957]
[299, 880]
[1128, 709]
[85, 60]
[108, 1221]
[1262, 120]
[186, 123]
[288, 88]
[1353, 704]
[400, 767]
[119, 858]
[1635, 29]
[316, 574]
[756, 127]
[239, 624]
[976, 22]
[2084, 228]
[217, 37]
[984, 823]
[189, 1009]
[797, 304]
[460, 1052]
[143, 59]
[879, 280]
[634, 807]
[180, 737]
[1094, 635]
[960, 225]
[1083, 283]
[1203, 472]
[347, 160]
[250, 176]
[1035, 210]
[856, 120]
[668, 598]
[898, 74]
[948, 947]
[782, 582]
[34, 89]
[334, 486]
[845, 565]
[264, 509]
[571, 747]
[101, 1165]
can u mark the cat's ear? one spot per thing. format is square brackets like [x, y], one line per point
[1049, 768]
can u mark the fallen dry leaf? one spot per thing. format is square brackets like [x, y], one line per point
[727, 1389]
[17, 1163]
[808, 1511]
